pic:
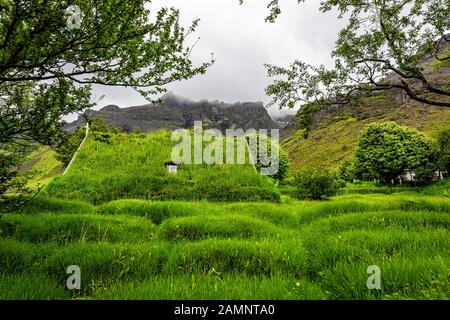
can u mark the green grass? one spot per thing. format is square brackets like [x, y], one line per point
[222, 232]
[137, 249]
[132, 167]
[45, 165]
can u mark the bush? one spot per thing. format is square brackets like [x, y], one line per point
[11, 158]
[341, 183]
[386, 150]
[443, 146]
[315, 184]
[346, 171]
[69, 144]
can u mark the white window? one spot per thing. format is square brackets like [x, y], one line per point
[172, 169]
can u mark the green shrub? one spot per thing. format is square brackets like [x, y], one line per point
[67, 147]
[315, 184]
[346, 171]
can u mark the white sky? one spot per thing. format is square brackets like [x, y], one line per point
[242, 42]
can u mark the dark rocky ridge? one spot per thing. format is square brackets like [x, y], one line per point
[175, 112]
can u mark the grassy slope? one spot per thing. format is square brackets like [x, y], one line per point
[44, 163]
[134, 249]
[333, 139]
[132, 166]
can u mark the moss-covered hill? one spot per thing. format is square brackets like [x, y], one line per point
[132, 166]
[334, 131]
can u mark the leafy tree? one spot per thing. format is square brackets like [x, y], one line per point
[270, 145]
[315, 183]
[50, 56]
[98, 125]
[68, 146]
[283, 168]
[346, 171]
[11, 158]
[306, 117]
[381, 37]
[443, 152]
[387, 149]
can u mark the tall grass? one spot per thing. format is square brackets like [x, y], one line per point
[137, 249]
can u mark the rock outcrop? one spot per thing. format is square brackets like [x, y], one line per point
[175, 112]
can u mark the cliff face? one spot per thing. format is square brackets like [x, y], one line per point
[175, 113]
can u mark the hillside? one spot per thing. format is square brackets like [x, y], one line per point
[334, 130]
[334, 133]
[132, 166]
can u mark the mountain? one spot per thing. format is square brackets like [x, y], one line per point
[175, 112]
[334, 130]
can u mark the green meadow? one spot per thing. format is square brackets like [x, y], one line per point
[216, 232]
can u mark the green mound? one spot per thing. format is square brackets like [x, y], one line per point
[132, 167]
[202, 227]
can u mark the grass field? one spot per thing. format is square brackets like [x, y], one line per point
[217, 239]
[137, 249]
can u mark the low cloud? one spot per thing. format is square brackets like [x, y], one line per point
[242, 42]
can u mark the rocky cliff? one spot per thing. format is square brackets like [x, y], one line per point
[175, 112]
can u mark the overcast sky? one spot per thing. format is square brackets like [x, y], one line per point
[242, 42]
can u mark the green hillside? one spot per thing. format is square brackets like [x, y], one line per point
[132, 166]
[43, 165]
[334, 132]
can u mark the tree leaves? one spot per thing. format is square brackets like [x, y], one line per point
[389, 37]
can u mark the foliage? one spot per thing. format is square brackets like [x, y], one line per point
[381, 37]
[306, 117]
[443, 145]
[11, 158]
[386, 150]
[315, 183]
[47, 67]
[67, 147]
[271, 146]
[99, 125]
[283, 169]
[346, 171]
[116, 43]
